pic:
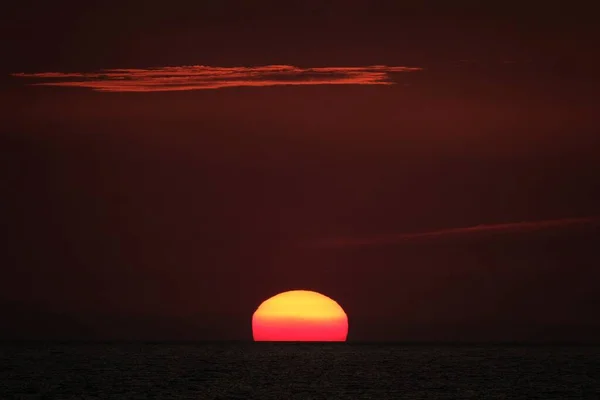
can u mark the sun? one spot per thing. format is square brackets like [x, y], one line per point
[300, 316]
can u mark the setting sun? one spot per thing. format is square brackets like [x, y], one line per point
[300, 315]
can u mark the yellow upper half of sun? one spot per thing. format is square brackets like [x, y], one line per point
[300, 304]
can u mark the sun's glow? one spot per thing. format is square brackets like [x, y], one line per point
[300, 315]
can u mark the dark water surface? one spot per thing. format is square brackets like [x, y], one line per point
[297, 371]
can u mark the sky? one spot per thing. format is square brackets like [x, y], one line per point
[433, 169]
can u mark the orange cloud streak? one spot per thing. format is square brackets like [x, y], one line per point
[513, 227]
[200, 77]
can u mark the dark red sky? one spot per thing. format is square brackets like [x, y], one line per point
[173, 215]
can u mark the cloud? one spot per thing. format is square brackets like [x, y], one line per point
[200, 77]
[513, 227]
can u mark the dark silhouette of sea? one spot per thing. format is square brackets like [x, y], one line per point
[297, 371]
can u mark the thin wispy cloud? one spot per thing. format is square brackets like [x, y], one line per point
[200, 77]
[513, 227]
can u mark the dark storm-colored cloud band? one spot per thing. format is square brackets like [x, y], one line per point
[514, 227]
[200, 77]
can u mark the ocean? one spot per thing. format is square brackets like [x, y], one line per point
[296, 371]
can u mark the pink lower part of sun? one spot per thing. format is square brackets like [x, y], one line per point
[299, 330]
